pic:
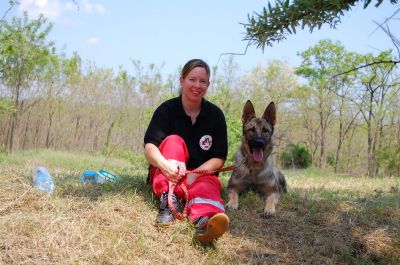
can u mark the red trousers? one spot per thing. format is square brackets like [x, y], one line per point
[204, 193]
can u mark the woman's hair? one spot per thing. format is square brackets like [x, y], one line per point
[191, 64]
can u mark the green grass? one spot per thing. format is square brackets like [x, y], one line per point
[323, 219]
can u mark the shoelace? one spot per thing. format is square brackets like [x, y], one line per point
[171, 196]
[202, 221]
[164, 201]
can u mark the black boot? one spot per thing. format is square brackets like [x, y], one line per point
[165, 216]
[210, 228]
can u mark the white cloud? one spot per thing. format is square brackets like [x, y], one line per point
[54, 9]
[49, 8]
[92, 40]
[92, 8]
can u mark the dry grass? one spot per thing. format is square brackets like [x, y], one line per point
[322, 220]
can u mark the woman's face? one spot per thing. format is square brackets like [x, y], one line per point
[195, 84]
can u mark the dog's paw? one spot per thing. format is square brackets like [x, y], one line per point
[266, 215]
[232, 205]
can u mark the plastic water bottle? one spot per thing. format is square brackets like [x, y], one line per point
[43, 181]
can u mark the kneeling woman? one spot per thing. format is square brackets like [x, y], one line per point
[189, 132]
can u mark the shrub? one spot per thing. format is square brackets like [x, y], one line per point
[388, 160]
[295, 156]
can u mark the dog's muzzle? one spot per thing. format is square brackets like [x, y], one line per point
[257, 143]
[257, 147]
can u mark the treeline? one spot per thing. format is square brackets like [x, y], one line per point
[347, 122]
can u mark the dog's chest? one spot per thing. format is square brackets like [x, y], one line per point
[255, 175]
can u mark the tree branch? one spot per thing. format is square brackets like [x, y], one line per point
[12, 3]
[234, 53]
[366, 65]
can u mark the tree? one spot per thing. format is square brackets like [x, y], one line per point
[24, 54]
[274, 23]
[379, 85]
[318, 62]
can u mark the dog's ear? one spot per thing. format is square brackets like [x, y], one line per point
[270, 114]
[248, 112]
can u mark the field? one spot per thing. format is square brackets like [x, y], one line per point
[323, 219]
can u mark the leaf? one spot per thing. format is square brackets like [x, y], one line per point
[367, 2]
[286, 5]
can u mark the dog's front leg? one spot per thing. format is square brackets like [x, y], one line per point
[270, 203]
[235, 186]
[233, 203]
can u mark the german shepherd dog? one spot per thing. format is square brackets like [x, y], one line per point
[254, 165]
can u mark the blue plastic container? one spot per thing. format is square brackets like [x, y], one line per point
[102, 176]
[89, 176]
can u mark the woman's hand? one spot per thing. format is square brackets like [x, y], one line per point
[173, 170]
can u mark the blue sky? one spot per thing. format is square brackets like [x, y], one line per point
[112, 33]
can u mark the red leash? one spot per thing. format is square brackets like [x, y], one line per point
[209, 172]
[172, 186]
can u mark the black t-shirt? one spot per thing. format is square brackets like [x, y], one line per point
[205, 139]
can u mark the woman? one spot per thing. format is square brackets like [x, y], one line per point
[189, 132]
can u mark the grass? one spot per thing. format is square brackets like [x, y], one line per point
[323, 219]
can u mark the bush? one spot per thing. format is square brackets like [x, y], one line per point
[388, 160]
[295, 156]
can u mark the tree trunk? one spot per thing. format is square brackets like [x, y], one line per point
[10, 133]
[339, 147]
[51, 114]
[24, 142]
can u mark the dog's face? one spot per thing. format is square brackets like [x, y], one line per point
[257, 132]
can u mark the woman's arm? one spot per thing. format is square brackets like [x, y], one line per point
[156, 159]
[211, 164]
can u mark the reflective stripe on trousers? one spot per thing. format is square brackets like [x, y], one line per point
[206, 201]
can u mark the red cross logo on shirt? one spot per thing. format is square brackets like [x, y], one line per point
[205, 142]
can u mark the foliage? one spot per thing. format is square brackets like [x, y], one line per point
[234, 125]
[25, 53]
[330, 159]
[6, 107]
[274, 23]
[24, 49]
[388, 159]
[379, 88]
[318, 64]
[295, 156]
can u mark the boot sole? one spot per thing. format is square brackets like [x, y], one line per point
[216, 227]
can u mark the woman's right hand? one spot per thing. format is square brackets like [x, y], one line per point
[173, 170]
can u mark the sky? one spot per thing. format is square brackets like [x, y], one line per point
[169, 33]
